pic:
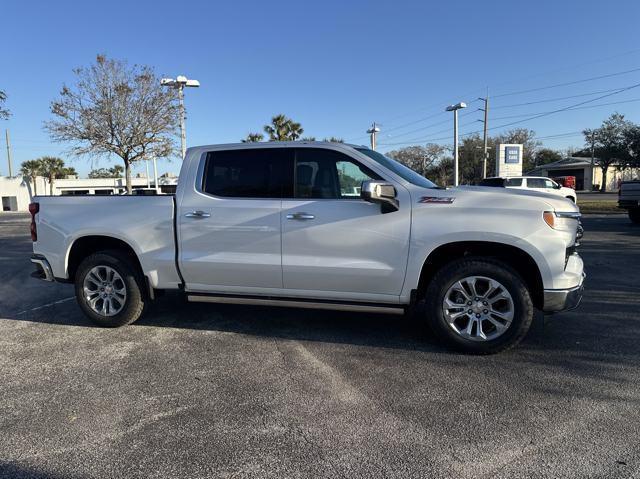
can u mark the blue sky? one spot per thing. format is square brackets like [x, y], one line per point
[333, 66]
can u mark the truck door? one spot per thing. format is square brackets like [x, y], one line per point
[332, 240]
[230, 229]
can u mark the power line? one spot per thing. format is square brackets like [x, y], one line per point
[550, 100]
[535, 116]
[631, 100]
[575, 82]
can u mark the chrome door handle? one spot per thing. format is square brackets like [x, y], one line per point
[197, 214]
[300, 216]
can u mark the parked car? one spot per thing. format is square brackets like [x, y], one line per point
[270, 224]
[536, 183]
[629, 199]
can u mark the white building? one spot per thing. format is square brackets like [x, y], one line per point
[16, 192]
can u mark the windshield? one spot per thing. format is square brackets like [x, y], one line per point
[398, 168]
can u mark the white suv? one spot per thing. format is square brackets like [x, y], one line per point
[540, 183]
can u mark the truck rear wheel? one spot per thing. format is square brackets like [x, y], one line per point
[634, 215]
[108, 289]
[479, 306]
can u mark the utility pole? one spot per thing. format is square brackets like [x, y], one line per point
[372, 131]
[6, 134]
[485, 140]
[179, 83]
[454, 109]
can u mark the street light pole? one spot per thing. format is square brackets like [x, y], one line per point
[454, 109]
[179, 83]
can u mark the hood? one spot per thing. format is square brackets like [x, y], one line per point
[501, 198]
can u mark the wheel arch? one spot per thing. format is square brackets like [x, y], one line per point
[85, 246]
[515, 257]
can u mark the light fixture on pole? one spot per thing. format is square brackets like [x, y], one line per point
[373, 131]
[179, 83]
[454, 109]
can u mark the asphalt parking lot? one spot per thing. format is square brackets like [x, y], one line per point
[208, 391]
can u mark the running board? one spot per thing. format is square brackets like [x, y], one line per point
[296, 303]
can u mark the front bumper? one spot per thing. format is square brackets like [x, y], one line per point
[556, 300]
[43, 268]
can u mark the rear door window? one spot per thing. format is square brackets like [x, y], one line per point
[513, 182]
[248, 173]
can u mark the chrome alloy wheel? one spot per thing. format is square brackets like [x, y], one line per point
[478, 308]
[104, 290]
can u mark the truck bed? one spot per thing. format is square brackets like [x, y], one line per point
[146, 223]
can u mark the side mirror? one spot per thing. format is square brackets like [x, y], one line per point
[382, 193]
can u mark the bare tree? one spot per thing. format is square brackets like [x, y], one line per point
[419, 158]
[116, 109]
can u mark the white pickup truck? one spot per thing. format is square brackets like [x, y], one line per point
[319, 225]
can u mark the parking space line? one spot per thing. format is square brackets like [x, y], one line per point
[46, 305]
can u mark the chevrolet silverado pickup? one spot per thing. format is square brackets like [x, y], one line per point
[319, 225]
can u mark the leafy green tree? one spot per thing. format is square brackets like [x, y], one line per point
[253, 138]
[32, 169]
[611, 144]
[115, 109]
[333, 139]
[282, 128]
[4, 113]
[113, 172]
[308, 138]
[546, 155]
[441, 172]
[632, 138]
[51, 168]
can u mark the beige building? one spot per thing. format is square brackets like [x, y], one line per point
[585, 174]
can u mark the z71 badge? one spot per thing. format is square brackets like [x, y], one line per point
[437, 199]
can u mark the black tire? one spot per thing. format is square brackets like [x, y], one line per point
[136, 298]
[634, 215]
[570, 198]
[490, 268]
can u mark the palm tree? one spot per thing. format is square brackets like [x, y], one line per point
[253, 138]
[31, 169]
[295, 130]
[283, 129]
[52, 167]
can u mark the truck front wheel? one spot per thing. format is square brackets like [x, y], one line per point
[108, 289]
[479, 306]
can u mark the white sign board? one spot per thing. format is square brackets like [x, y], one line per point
[508, 160]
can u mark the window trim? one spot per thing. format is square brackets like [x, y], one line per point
[202, 166]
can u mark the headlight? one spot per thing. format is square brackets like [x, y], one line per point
[562, 220]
